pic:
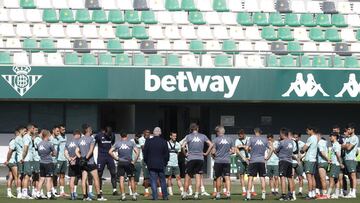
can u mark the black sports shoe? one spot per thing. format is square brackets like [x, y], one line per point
[300, 194]
[115, 193]
[284, 198]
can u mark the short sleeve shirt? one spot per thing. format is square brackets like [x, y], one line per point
[45, 148]
[322, 146]
[258, 147]
[312, 143]
[336, 149]
[195, 143]
[274, 159]
[223, 145]
[85, 143]
[351, 154]
[174, 149]
[125, 150]
[28, 141]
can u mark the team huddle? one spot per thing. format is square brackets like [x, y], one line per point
[42, 158]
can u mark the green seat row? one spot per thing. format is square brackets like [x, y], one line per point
[291, 19]
[138, 32]
[318, 35]
[46, 45]
[189, 5]
[99, 16]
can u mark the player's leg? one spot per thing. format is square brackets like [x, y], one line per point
[101, 161]
[168, 174]
[95, 176]
[9, 183]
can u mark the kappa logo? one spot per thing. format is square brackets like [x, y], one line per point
[72, 145]
[82, 143]
[41, 148]
[290, 146]
[352, 87]
[259, 142]
[21, 82]
[301, 88]
[124, 146]
[196, 139]
[224, 141]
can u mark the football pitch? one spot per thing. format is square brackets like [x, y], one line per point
[235, 197]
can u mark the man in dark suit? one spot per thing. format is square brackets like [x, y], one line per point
[156, 156]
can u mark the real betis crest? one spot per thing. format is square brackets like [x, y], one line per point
[21, 82]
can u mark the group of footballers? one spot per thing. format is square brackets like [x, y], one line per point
[42, 157]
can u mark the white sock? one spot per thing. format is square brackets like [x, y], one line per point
[9, 190]
[341, 191]
[159, 189]
[329, 191]
[25, 192]
[300, 189]
[190, 189]
[276, 189]
[196, 194]
[202, 189]
[114, 189]
[146, 190]
[317, 191]
[90, 188]
[75, 187]
[130, 191]
[248, 195]
[215, 189]
[181, 189]
[170, 190]
[337, 192]
[243, 189]
[42, 192]
[18, 190]
[224, 190]
[62, 189]
[354, 192]
[252, 189]
[272, 189]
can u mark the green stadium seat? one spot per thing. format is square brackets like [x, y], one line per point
[244, 18]
[139, 32]
[188, 5]
[148, 17]
[105, 59]
[292, 20]
[319, 61]
[332, 35]
[88, 59]
[30, 45]
[139, 60]
[260, 19]
[27, 4]
[287, 61]
[83, 16]
[304, 61]
[272, 61]
[222, 61]
[50, 16]
[220, 6]
[172, 5]
[47, 45]
[338, 20]
[307, 20]
[155, 60]
[132, 17]
[173, 60]
[275, 19]
[351, 62]
[268, 33]
[316, 35]
[323, 20]
[229, 47]
[5, 58]
[123, 32]
[196, 17]
[66, 16]
[285, 34]
[294, 48]
[196, 46]
[99, 16]
[116, 16]
[122, 60]
[337, 62]
[114, 46]
[71, 59]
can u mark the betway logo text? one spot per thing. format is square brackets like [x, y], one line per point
[184, 81]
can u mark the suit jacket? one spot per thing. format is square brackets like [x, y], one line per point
[156, 153]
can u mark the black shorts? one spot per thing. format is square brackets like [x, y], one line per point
[221, 169]
[258, 168]
[89, 167]
[47, 170]
[74, 170]
[194, 167]
[285, 169]
[126, 168]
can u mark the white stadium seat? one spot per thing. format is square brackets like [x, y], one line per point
[188, 32]
[106, 31]
[44, 4]
[64, 44]
[21, 58]
[252, 33]
[17, 15]
[55, 59]
[353, 20]
[156, 32]
[13, 43]
[220, 32]
[180, 17]
[309, 46]
[204, 32]
[204, 5]
[73, 31]
[348, 35]
[23, 30]
[255, 61]
[125, 4]
[77, 4]
[2, 43]
[11, 3]
[131, 44]
[96, 44]
[301, 34]
[60, 4]
[34, 15]
[189, 60]
[164, 17]
[236, 32]
[157, 5]
[212, 45]
[163, 45]
[57, 30]
[251, 5]
[212, 18]
[298, 6]
[356, 7]
[313, 7]
[172, 32]
[206, 61]
[7, 30]
[228, 18]
[4, 17]
[240, 61]
[344, 7]
[235, 6]
[267, 5]
[108, 4]
[40, 30]
[180, 45]
[326, 47]
[355, 47]
[90, 31]
[245, 46]
[38, 59]
[261, 46]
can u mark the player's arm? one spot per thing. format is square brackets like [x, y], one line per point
[136, 151]
[338, 156]
[66, 153]
[90, 153]
[25, 151]
[348, 146]
[271, 150]
[210, 146]
[305, 148]
[8, 156]
[53, 151]
[324, 156]
[77, 152]
[183, 146]
[111, 153]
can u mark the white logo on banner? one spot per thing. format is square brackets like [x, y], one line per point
[300, 87]
[352, 87]
[21, 82]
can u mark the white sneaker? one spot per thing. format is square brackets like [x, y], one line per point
[341, 195]
[134, 197]
[102, 199]
[19, 196]
[123, 198]
[87, 199]
[263, 196]
[10, 195]
[205, 194]
[350, 196]
[196, 196]
[184, 196]
[333, 196]
[26, 197]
